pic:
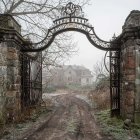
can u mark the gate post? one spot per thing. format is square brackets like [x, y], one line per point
[10, 41]
[130, 68]
[137, 82]
[128, 79]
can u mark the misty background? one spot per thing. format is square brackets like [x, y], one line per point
[107, 17]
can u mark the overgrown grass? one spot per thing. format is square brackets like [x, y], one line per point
[114, 126]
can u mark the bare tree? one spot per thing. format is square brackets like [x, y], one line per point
[59, 53]
[36, 17]
[101, 75]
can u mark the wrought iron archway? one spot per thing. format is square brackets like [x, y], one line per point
[72, 19]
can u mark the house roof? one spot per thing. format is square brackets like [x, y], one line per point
[81, 71]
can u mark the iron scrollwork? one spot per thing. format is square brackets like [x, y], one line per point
[71, 10]
[72, 19]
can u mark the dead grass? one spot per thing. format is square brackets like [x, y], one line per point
[100, 98]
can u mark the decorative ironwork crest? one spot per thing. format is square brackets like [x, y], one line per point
[71, 10]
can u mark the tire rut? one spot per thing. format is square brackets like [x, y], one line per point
[72, 120]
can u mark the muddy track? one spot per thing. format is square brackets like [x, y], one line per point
[72, 120]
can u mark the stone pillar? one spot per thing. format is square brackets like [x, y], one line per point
[128, 79]
[137, 82]
[9, 80]
[3, 80]
[10, 68]
[130, 68]
[13, 81]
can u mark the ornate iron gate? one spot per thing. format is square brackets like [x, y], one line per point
[31, 80]
[115, 82]
[72, 19]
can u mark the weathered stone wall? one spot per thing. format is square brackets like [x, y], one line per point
[130, 85]
[11, 44]
[128, 79]
[9, 77]
[133, 20]
[3, 79]
[137, 82]
[10, 80]
[14, 82]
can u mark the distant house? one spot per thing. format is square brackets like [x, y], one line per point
[70, 74]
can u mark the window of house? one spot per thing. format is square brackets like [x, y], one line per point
[69, 72]
[87, 80]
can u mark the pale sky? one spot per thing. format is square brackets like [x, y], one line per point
[107, 17]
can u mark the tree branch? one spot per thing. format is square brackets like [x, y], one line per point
[13, 7]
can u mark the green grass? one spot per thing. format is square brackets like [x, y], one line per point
[114, 126]
[72, 126]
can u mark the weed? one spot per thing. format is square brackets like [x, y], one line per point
[72, 126]
[114, 126]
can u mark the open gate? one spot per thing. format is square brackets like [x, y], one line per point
[72, 19]
[115, 82]
[31, 80]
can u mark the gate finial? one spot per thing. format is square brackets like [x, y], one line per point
[71, 10]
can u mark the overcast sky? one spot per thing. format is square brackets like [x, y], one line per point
[107, 18]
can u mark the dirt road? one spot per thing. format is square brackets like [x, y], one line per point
[72, 120]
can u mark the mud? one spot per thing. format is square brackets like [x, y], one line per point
[73, 119]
